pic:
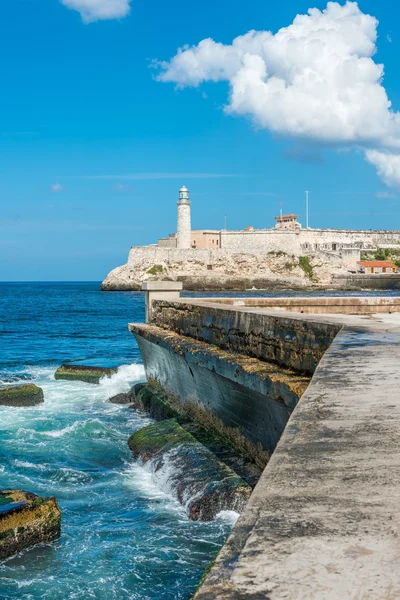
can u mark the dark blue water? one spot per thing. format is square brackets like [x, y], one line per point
[123, 534]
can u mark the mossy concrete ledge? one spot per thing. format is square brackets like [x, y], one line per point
[86, 373]
[201, 482]
[243, 392]
[25, 520]
[21, 395]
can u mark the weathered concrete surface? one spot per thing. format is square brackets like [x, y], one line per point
[323, 521]
[344, 305]
[370, 282]
[245, 393]
[267, 335]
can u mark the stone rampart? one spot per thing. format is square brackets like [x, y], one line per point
[305, 241]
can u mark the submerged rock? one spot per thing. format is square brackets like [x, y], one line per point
[127, 397]
[85, 373]
[25, 520]
[123, 398]
[21, 395]
[147, 399]
[201, 482]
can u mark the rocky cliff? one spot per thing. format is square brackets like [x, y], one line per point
[229, 271]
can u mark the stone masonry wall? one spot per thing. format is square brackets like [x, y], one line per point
[305, 240]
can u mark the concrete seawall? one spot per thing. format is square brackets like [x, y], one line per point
[322, 523]
[243, 392]
[368, 282]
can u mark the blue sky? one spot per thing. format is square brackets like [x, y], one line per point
[93, 148]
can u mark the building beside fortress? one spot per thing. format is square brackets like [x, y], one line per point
[287, 236]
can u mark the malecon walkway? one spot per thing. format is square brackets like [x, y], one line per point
[323, 520]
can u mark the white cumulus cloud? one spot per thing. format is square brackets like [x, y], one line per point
[95, 10]
[314, 80]
[387, 165]
[56, 187]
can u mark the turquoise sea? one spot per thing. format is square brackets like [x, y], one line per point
[123, 533]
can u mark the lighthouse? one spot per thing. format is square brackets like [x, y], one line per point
[184, 231]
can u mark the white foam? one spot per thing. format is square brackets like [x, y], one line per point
[122, 380]
[229, 517]
[61, 432]
[27, 465]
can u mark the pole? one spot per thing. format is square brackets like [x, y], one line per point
[280, 211]
[306, 209]
[225, 222]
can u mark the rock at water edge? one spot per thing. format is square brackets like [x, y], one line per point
[25, 520]
[21, 395]
[201, 482]
[86, 373]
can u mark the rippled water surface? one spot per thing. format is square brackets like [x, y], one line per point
[122, 535]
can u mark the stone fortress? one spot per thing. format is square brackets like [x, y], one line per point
[238, 259]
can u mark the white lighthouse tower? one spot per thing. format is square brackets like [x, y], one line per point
[184, 231]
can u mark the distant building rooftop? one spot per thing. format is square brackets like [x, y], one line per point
[376, 263]
[290, 217]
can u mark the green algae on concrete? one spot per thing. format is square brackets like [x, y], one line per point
[201, 482]
[25, 520]
[157, 405]
[86, 373]
[21, 395]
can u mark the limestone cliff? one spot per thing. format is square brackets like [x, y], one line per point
[222, 270]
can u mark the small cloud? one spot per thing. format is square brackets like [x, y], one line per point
[122, 187]
[56, 187]
[204, 95]
[389, 38]
[95, 10]
[384, 194]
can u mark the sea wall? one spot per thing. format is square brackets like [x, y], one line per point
[287, 341]
[323, 519]
[244, 393]
[370, 282]
[245, 369]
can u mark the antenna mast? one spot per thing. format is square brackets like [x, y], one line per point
[280, 211]
[307, 209]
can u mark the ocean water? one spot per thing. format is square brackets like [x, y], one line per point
[123, 534]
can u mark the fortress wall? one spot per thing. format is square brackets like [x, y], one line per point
[157, 255]
[262, 240]
[305, 240]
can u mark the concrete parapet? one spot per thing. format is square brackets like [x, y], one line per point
[160, 290]
[344, 305]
